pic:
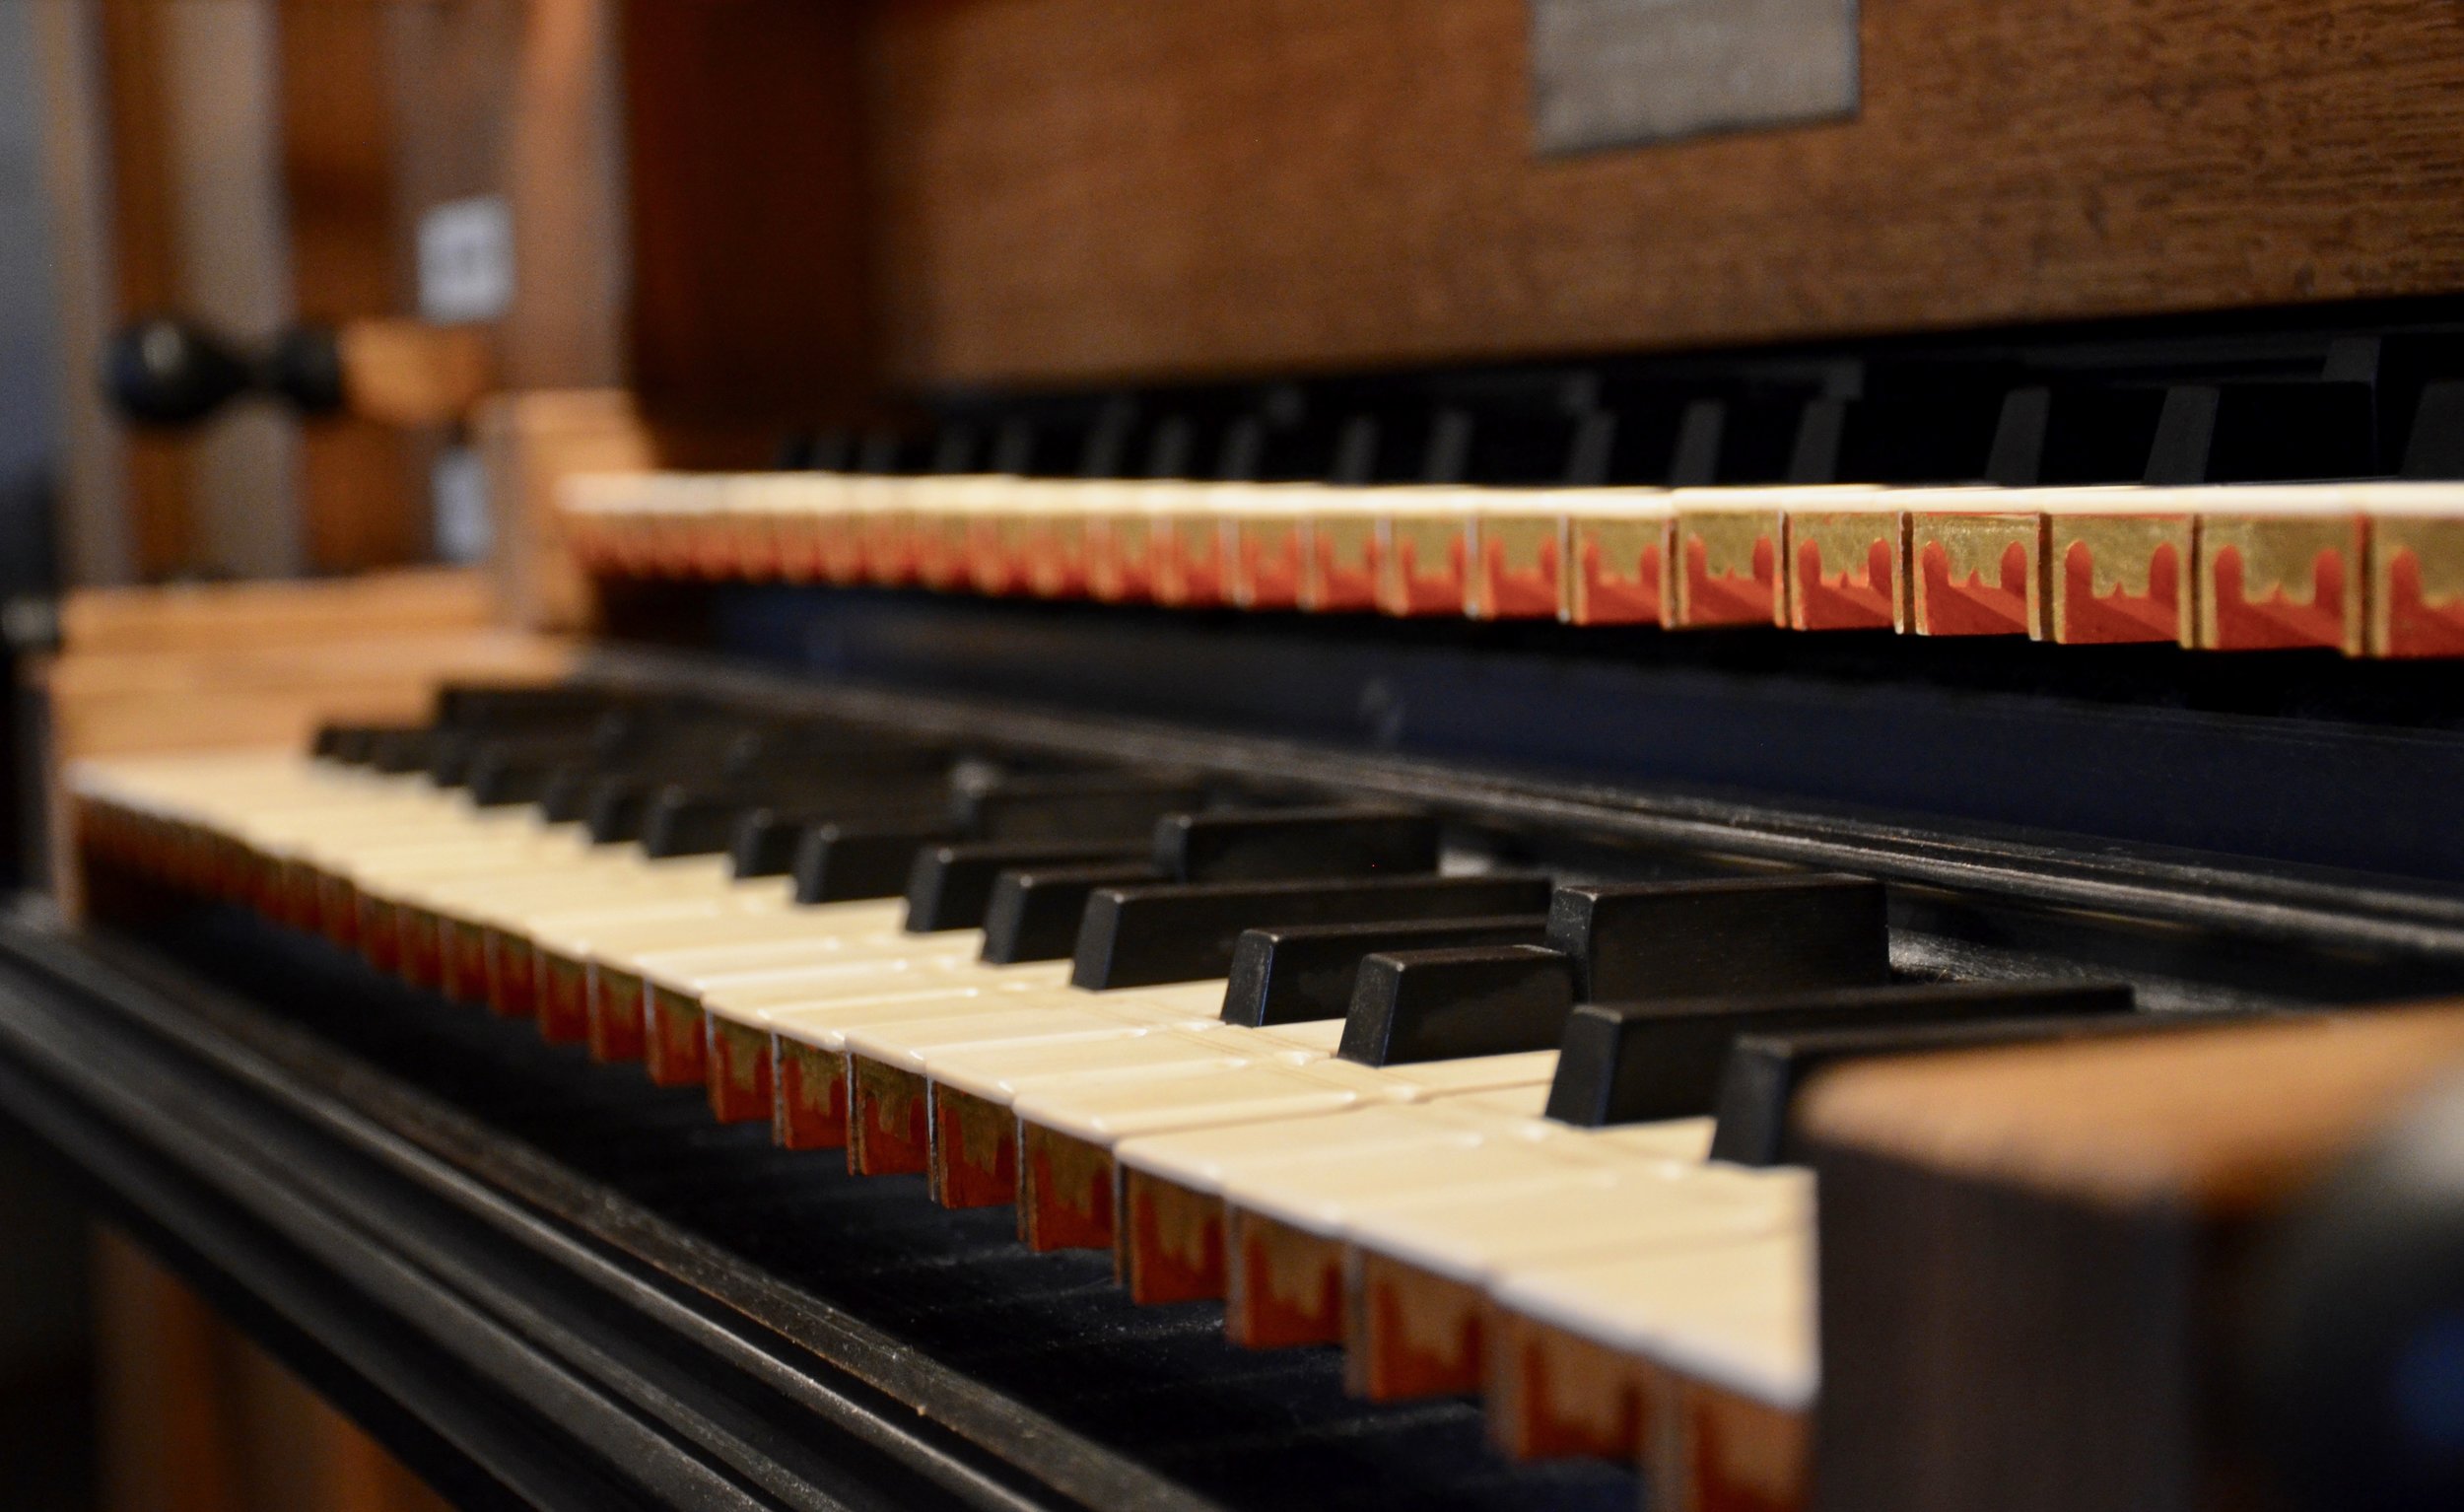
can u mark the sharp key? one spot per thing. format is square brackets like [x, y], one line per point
[1081, 807]
[1034, 913]
[687, 821]
[1451, 1004]
[1697, 939]
[1640, 1062]
[839, 863]
[1299, 973]
[1292, 843]
[1143, 936]
[617, 808]
[950, 887]
[766, 841]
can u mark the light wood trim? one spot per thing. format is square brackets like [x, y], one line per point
[2222, 1121]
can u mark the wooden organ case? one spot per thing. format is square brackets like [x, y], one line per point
[1463, 754]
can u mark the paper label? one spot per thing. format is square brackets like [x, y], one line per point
[1620, 73]
[466, 260]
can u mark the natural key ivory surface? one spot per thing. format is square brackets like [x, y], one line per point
[1738, 1314]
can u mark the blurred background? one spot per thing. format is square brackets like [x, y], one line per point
[212, 202]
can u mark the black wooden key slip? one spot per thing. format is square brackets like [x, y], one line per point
[1034, 913]
[1633, 1063]
[1449, 1004]
[1144, 937]
[1289, 843]
[950, 886]
[1768, 1072]
[1696, 940]
[1294, 974]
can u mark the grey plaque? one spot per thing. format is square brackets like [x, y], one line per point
[1616, 73]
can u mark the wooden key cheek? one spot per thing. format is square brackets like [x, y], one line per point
[2091, 1204]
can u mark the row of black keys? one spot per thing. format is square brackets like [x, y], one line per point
[1983, 423]
[1665, 999]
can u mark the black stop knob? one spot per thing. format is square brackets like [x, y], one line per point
[305, 367]
[170, 372]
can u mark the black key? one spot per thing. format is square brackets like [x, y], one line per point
[680, 756]
[1083, 806]
[766, 840]
[1034, 913]
[1446, 1004]
[1292, 975]
[758, 761]
[949, 886]
[400, 752]
[501, 780]
[820, 742]
[1758, 1091]
[566, 796]
[840, 863]
[685, 821]
[681, 824]
[1142, 936]
[1632, 1062]
[353, 745]
[450, 757]
[504, 707]
[1261, 844]
[617, 809]
[1700, 940]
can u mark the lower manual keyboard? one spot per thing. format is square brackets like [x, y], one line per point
[1357, 1152]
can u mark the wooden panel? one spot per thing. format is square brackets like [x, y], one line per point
[233, 616]
[94, 538]
[144, 260]
[1072, 189]
[2027, 1251]
[749, 240]
[196, 1418]
[450, 81]
[528, 443]
[234, 275]
[274, 697]
[361, 494]
[563, 172]
[261, 665]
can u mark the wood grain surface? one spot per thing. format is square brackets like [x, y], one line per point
[2220, 1120]
[1070, 190]
[143, 255]
[362, 493]
[751, 293]
[2035, 1262]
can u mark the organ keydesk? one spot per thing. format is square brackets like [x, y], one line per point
[1371, 1082]
[1266, 799]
